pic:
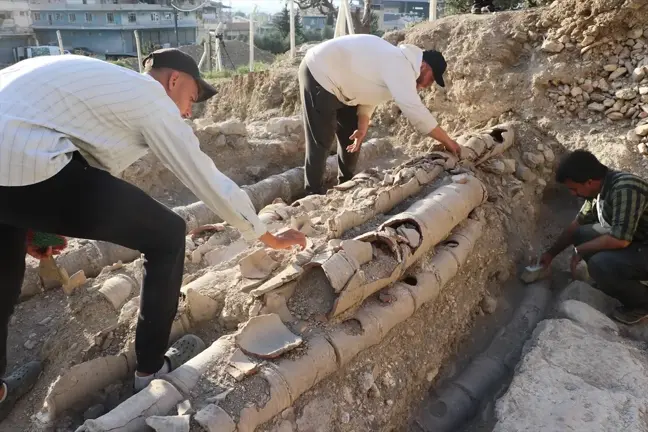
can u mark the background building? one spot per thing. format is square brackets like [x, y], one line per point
[15, 28]
[105, 27]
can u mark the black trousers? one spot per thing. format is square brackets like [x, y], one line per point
[84, 202]
[325, 117]
[617, 272]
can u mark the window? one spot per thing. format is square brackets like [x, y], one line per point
[132, 17]
[186, 14]
[72, 17]
[58, 17]
[22, 13]
[155, 16]
[37, 16]
[110, 18]
[85, 1]
[88, 17]
[167, 16]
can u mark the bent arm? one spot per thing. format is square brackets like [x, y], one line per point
[403, 90]
[565, 239]
[175, 144]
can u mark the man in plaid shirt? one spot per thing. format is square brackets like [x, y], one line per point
[610, 232]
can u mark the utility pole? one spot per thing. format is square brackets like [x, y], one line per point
[175, 18]
[433, 10]
[292, 28]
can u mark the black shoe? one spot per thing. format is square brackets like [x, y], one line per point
[19, 383]
[630, 316]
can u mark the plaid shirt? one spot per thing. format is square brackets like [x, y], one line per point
[625, 198]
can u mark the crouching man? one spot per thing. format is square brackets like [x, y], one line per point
[610, 232]
[342, 81]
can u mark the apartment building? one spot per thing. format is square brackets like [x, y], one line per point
[105, 27]
[15, 28]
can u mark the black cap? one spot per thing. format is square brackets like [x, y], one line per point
[438, 64]
[175, 59]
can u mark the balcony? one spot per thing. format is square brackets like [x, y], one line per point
[8, 27]
[107, 6]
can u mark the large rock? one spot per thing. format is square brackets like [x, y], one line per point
[285, 125]
[585, 315]
[585, 293]
[574, 380]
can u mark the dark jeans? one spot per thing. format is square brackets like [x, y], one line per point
[324, 118]
[617, 272]
[88, 203]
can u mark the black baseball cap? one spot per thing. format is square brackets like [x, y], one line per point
[438, 64]
[175, 59]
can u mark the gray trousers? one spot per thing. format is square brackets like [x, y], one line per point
[617, 272]
[325, 117]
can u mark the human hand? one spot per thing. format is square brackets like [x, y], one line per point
[39, 252]
[284, 239]
[357, 137]
[575, 259]
[453, 147]
[546, 259]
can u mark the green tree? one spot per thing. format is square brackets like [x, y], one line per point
[281, 22]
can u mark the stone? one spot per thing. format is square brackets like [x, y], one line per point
[626, 94]
[633, 137]
[266, 336]
[595, 106]
[642, 130]
[576, 91]
[509, 165]
[533, 159]
[643, 90]
[588, 40]
[635, 33]
[525, 173]
[488, 304]
[232, 127]
[603, 85]
[196, 257]
[617, 73]
[257, 265]
[615, 116]
[284, 126]
[607, 103]
[214, 419]
[549, 155]
[574, 379]
[95, 411]
[185, 408]
[30, 344]
[317, 416]
[642, 148]
[179, 423]
[610, 67]
[585, 315]
[551, 46]
[585, 293]
[638, 74]
[597, 97]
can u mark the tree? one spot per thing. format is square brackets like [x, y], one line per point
[281, 22]
[240, 14]
[362, 21]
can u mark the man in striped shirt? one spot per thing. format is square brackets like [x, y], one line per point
[67, 124]
[610, 232]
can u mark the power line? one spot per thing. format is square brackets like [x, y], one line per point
[189, 10]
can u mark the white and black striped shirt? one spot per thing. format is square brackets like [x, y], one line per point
[51, 106]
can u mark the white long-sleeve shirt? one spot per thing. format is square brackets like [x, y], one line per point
[51, 106]
[365, 71]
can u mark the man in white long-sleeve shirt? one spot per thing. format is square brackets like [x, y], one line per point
[67, 124]
[342, 81]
